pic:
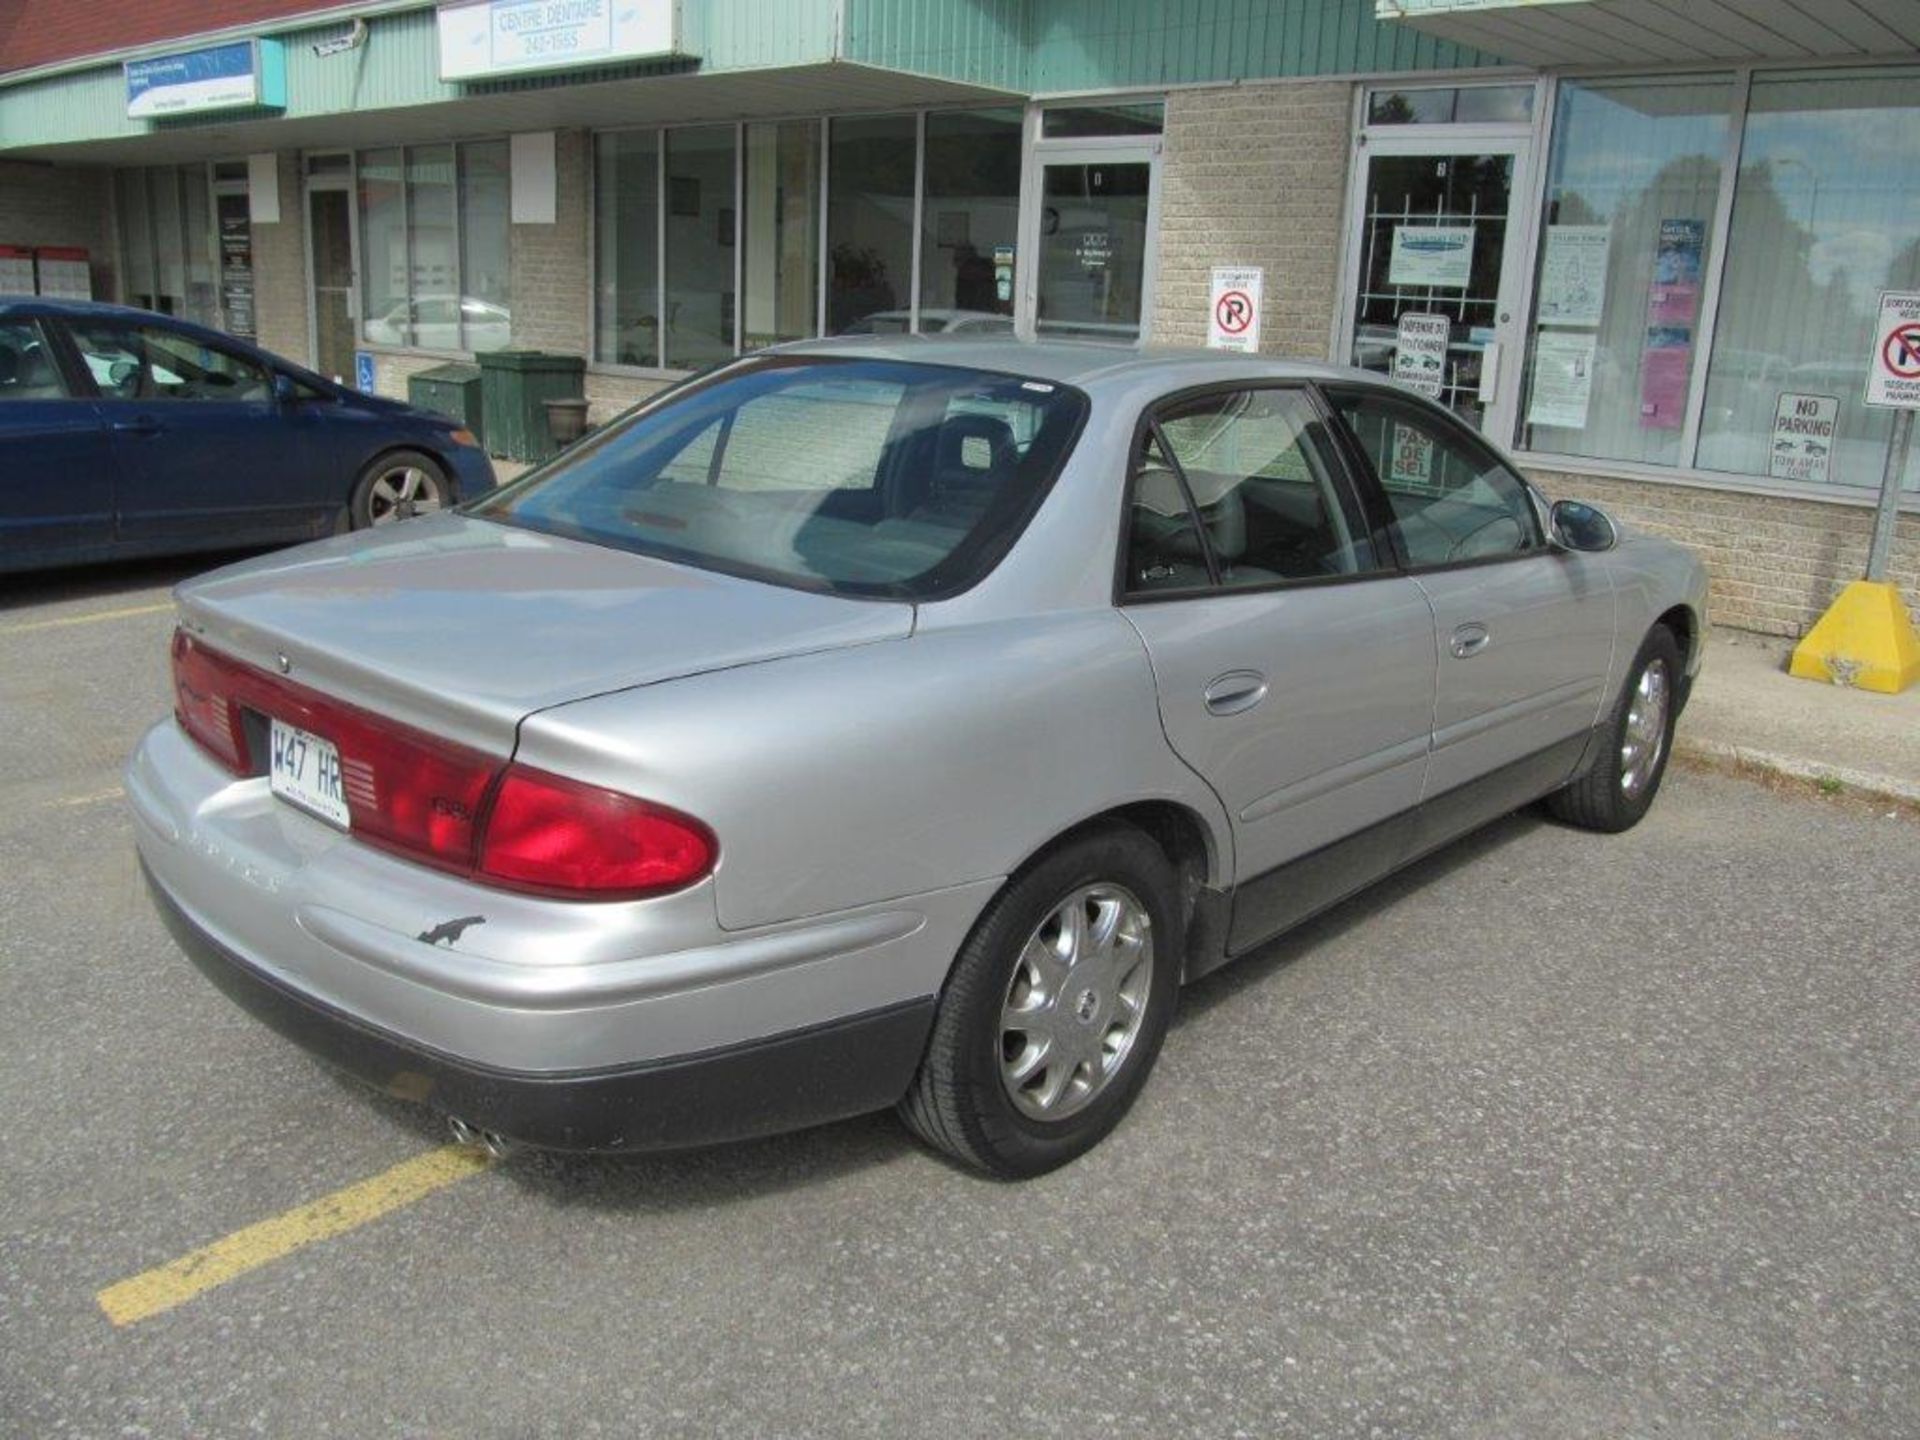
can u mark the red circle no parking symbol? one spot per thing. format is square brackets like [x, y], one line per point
[1901, 353]
[1234, 312]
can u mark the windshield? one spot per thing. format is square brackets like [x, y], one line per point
[863, 477]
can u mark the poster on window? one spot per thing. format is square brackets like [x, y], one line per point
[1420, 353]
[1573, 274]
[1664, 366]
[1411, 463]
[1674, 296]
[1439, 257]
[1562, 379]
[1803, 430]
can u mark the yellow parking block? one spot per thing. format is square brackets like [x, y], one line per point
[1865, 640]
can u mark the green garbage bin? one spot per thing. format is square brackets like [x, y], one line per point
[452, 391]
[515, 386]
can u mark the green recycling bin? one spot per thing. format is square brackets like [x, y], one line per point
[514, 388]
[452, 391]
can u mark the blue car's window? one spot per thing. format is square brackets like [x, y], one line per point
[27, 371]
[147, 362]
[865, 477]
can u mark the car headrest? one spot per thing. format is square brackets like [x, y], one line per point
[1156, 491]
[975, 450]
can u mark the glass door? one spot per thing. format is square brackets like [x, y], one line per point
[1435, 261]
[1092, 233]
[330, 256]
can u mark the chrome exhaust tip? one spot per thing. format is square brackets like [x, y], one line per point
[472, 1136]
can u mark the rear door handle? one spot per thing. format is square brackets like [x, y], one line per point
[1470, 639]
[1235, 691]
[138, 425]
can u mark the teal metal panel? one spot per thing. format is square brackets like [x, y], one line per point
[1053, 45]
[399, 66]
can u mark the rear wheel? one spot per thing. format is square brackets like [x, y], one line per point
[1055, 1009]
[1618, 790]
[398, 485]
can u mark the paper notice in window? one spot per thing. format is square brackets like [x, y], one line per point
[1573, 274]
[1562, 379]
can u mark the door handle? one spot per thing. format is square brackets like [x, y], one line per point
[138, 425]
[1470, 639]
[1235, 691]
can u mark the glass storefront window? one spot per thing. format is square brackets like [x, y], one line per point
[1631, 193]
[1826, 215]
[870, 170]
[433, 246]
[484, 266]
[970, 221]
[166, 241]
[1446, 105]
[626, 254]
[780, 232]
[1081, 121]
[700, 246]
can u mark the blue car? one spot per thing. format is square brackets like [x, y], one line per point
[127, 433]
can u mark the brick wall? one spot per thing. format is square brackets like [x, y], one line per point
[1776, 563]
[280, 271]
[61, 205]
[608, 395]
[550, 261]
[1254, 175]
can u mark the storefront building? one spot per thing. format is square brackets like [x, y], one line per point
[1639, 242]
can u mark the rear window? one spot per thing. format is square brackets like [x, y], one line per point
[862, 477]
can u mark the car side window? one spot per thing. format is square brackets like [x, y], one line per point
[147, 362]
[1244, 479]
[1452, 499]
[27, 368]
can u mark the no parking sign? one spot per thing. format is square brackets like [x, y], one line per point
[1893, 373]
[1233, 309]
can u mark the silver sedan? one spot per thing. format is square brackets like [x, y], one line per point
[883, 722]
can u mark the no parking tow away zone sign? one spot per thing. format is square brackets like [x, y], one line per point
[1233, 311]
[1893, 375]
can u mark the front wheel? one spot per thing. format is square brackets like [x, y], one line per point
[398, 485]
[1055, 1009]
[1619, 789]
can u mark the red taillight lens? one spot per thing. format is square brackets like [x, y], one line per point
[204, 682]
[556, 836]
[431, 800]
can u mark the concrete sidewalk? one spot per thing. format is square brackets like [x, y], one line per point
[1747, 711]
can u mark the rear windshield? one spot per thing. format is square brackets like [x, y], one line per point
[862, 477]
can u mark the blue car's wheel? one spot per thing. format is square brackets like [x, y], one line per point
[397, 486]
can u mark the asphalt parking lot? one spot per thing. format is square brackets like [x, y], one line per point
[1555, 1135]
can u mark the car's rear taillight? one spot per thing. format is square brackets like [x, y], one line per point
[445, 804]
[555, 836]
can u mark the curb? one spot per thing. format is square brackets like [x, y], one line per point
[1858, 783]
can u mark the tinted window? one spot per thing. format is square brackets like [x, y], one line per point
[1452, 499]
[149, 363]
[860, 476]
[1257, 467]
[27, 371]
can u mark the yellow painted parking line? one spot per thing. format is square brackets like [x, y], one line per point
[178, 1281]
[74, 801]
[125, 612]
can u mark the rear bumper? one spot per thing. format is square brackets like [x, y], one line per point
[783, 1082]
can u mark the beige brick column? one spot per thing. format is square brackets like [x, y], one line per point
[280, 270]
[1254, 175]
[549, 262]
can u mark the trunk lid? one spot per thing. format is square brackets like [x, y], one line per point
[463, 627]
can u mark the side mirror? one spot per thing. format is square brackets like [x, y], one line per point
[1577, 525]
[285, 392]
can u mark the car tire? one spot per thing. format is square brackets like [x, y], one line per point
[397, 485]
[1618, 790]
[983, 1095]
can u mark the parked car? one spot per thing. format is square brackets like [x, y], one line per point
[884, 722]
[933, 321]
[129, 433]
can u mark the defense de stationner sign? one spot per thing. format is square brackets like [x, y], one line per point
[1893, 370]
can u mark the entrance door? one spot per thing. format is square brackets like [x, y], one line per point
[330, 252]
[1432, 235]
[1092, 231]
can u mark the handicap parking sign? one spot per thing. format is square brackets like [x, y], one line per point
[363, 372]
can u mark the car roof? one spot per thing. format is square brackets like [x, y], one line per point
[26, 305]
[1073, 362]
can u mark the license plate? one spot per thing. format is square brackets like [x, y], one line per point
[305, 770]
